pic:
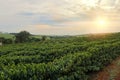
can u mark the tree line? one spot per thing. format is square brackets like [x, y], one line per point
[21, 37]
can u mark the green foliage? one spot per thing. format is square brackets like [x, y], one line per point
[6, 41]
[72, 58]
[23, 36]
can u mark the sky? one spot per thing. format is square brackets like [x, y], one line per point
[60, 17]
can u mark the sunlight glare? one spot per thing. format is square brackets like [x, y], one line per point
[102, 22]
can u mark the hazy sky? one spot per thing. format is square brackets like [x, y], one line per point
[60, 17]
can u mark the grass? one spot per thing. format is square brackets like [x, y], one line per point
[10, 36]
[37, 36]
[6, 35]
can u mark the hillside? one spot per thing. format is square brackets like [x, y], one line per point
[70, 58]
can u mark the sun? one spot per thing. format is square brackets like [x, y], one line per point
[101, 22]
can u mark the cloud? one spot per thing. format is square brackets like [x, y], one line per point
[64, 16]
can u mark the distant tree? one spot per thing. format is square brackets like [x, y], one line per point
[44, 38]
[23, 36]
[13, 33]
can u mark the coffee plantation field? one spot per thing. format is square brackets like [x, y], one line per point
[70, 58]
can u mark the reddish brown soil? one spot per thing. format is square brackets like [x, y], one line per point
[109, 71]
[118, 77]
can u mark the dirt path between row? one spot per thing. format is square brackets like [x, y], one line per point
[111, 72]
